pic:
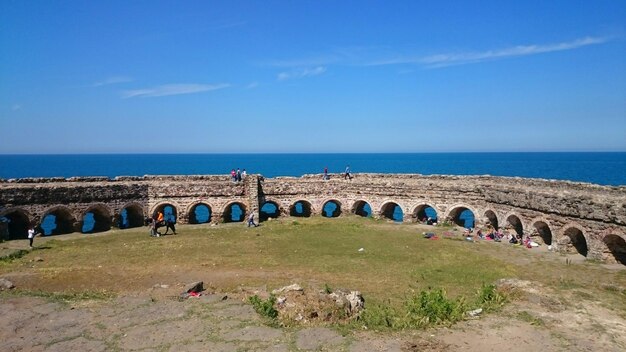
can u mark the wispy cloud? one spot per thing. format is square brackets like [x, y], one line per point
[252, 85]
[172, 89]
[16, 107]
[113, 80]
[301, 73]
[450, 59]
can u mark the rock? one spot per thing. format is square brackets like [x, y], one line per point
[195, 287]
[352, 301]
[5, 284]
[293, 287]
[38, 259]
[475, 312]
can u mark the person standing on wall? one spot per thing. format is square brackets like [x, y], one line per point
[326, 173]
[347, 175]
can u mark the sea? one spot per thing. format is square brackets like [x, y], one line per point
[604, 168]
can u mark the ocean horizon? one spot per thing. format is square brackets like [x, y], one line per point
[604, 168]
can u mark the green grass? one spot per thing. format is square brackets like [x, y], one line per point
[317, 252]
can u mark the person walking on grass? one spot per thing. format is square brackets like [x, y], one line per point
[31, 236]
[251, 220]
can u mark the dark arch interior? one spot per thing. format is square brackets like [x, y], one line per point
[362, 208]
[424, 212]
[392, 211]
[235, 212]
[96, 220]
[131, 216]
[269, 210]
[516, 224]
[300, 209]
[200, 214]
[493, 219]
[17, 225]
[331, 209]
[169, 212]
[617, 246]
[578, 240]
[544, 232]
[462, 216]
[58, 222]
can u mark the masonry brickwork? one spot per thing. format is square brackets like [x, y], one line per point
[572, 217]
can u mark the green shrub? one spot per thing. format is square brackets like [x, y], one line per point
[264, 307]
[430, 308]
[489, 298]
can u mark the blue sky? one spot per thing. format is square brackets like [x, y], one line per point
[312, 76]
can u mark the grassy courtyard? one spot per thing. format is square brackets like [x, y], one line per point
[315, 252]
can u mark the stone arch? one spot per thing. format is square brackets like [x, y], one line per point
[514, 221]
[359, 208]
[419, 212]
[161, 207]
[193, 217]
[334, 213]
[542, 228]
[228, 214]
[454, 212]
[19, 221]
[64, 220]
[135, 216]
[101, 218]
[388, 208]
[573, 239]
[265, 213]
[616, 245]
[306, 208]
[492, 218]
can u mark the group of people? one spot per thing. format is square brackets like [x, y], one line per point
[497, 235]
[159, 220]
[237, 176]
[346, 175]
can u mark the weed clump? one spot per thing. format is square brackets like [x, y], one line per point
[429, 308]
[265, 307]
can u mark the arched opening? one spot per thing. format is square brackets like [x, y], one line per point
[17, 224]
[57, 222]
[544, 232]
[617, 247]
[234, 212]
[392, 211]
[426, 214]
[96, 219]
[331, 209]
[200, 214]
[462, 216]
[131, 216]
[362, 208]
[577, 241]
[170, 213]
[269, 210]
[300, 208]
[492, 218]
[516, 224]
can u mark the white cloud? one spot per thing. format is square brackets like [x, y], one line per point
[252, 85]
[172, 89]
[449, 59]
[301, 73]
[113, 80]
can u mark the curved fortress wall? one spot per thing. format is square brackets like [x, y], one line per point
[572, 217]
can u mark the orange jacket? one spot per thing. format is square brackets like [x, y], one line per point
[160, 217]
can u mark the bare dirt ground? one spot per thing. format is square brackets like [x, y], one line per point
[537, 318]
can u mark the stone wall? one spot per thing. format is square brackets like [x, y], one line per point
[576, 217]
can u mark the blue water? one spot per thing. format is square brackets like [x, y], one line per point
[600, 168]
